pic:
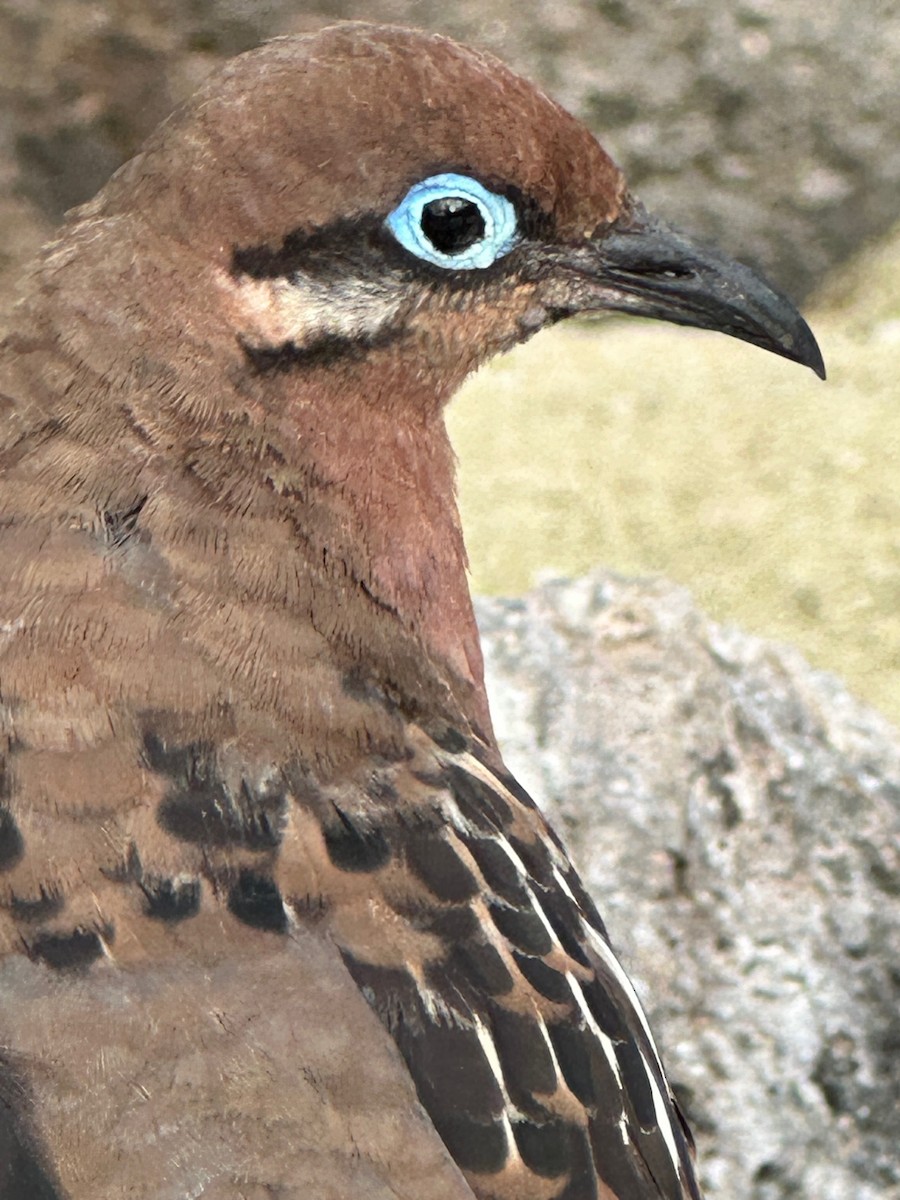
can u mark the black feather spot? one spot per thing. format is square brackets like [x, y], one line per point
[120, 527]
[621, 1168]
[523, 927]
[482, 965]
[476, 1147]
[359, 685]
[587, 1071]
[381, 788]
[390, 991]
[199, 808]
[637, 1085]
[499, 871]
[457, 989]
[544, 979]
[174, 760]
[657, 1158]
[535, 857]
[544, 1146]
[582, 1181]
[67, 951]
[171, 899]
[502, 776]
[449, 739]
[433, 859]
[211, 818]
[354, 847]
[565, 920]
[606, 1012]
[255, 900]
[569, 1046]
[47, 904]
[12, 845]
[456, 925]
[453, 1079]
[477, 802]
[451, 1073]
[525, 1057]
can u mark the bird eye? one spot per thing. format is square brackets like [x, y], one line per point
[453, 221]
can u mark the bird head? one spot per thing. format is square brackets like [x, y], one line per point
[375, 192]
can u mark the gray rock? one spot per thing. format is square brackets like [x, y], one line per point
[737, 816]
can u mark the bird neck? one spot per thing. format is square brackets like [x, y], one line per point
[379, 519]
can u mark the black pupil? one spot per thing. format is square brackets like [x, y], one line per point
[452, 224]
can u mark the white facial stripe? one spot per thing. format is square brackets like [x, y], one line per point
[302, 310]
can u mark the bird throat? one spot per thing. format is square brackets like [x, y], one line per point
[379, 513]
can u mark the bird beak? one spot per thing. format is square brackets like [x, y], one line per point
[641, 266]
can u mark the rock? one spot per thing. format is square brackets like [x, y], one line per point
[737, 816]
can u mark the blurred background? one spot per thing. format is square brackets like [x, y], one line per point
[770, 128]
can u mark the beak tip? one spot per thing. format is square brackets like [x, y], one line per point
[805, 350]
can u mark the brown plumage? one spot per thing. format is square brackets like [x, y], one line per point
[274, 919]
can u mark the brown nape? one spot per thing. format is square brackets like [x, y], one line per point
[275, 920]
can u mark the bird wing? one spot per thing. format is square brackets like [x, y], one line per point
[179, 977]
[522, 1032]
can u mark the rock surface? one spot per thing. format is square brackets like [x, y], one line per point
[770, 128]
[737, 816]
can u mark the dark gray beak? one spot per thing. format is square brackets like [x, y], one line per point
[641, 266]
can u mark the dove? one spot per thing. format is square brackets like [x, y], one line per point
[275, 919]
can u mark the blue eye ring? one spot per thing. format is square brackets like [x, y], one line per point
[497, 214]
